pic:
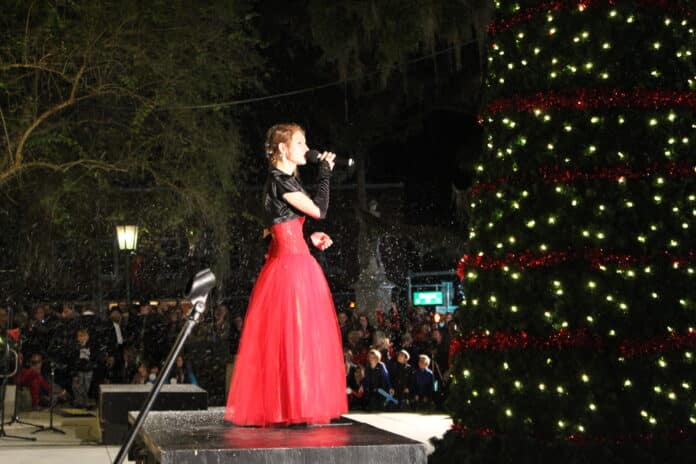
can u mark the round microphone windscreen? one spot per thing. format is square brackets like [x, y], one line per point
[313, 156]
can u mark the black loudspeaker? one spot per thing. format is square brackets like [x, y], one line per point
[115, 400]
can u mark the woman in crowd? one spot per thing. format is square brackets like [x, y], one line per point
[141, 374]
[182, 372]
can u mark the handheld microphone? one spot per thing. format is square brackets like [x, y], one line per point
[313, 157]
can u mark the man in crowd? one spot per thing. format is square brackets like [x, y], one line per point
[115, 338]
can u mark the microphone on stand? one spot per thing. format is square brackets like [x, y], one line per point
[313, 157]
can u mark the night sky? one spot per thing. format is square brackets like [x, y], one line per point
[407, 109]
[425, 138]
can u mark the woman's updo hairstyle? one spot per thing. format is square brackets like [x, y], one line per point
[277, 134]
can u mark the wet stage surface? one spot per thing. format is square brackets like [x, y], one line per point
[182, 437]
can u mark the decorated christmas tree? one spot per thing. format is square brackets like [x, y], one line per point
[579, 325]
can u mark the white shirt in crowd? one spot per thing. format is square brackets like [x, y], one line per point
[119, 336]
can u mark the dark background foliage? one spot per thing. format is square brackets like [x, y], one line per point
[154, 113]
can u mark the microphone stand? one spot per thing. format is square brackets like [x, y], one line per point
[53, 403]
[15, 418]
[197, 292]
[15, 415]
[3, 434]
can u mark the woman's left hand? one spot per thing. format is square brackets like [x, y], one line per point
[320, 240]
[329, 157]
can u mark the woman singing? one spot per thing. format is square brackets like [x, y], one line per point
[289, 368]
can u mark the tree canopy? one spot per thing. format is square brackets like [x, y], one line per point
[95, 129]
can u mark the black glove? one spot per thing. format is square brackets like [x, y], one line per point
[321, 198]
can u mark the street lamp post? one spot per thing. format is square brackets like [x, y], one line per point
[127, 236]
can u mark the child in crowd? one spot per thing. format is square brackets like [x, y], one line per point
[425, 383]
[84, 361]
[376, 378]
[355, 390]
[402, 375]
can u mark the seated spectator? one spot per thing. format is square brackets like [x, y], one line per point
[403, 377]
[382, 343]
[141, 374]
[152, 376]
[407, 344]
[348, 361]
[182, 372]
[344, 326]
[365, 327]
[84, 359]
[355, 390]
[131, 361]
[376, 378]
[357, 346]
[32, 378]
[425, 383]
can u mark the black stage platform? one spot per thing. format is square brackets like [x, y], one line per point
[115, 400]
[187, 437]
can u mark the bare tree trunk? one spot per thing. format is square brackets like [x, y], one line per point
[372, 289]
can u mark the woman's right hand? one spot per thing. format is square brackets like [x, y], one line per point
[320, 240]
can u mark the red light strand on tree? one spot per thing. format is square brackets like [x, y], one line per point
[564, 338]
[529, 14]
[595, 256]
[586, 440]
[561, 174]
[587, 99]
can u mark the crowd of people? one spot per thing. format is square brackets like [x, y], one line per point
[399, 362]
[65, 353]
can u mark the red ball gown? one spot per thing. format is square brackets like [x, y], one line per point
[289, 368]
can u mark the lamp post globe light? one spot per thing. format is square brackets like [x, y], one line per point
[127, 236]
